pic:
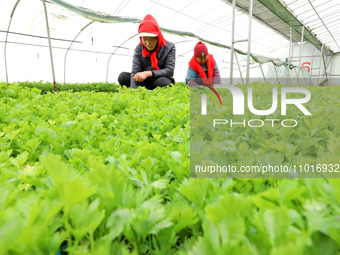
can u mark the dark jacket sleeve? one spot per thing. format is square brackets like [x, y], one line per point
[191, 75]
[168, 70]
[136, 66]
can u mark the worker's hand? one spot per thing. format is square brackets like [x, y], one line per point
[192, 83]
[141, 76]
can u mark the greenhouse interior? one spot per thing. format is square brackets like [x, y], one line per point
[238, 154]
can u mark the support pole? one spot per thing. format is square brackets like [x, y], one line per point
[290, 45]
[304, 76]
[50, 47]
[277, 75]
[232, 44]
[325, 67]
[108, 61]
[239, 68]
[249, 38]
[5, 48]
[311, 68]
[290, 54]
[297, 74]
[321, 59]
[289, 80]
[264, 77]
[69, 47]
[302, 32]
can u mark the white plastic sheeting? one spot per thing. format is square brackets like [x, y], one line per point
[89, 56]
[321, 17]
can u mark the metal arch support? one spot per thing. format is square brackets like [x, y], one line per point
[50, 47]
[321, 57]
[233, 40]
[277, 75]
[304, 76]
[232, 45]
[311, 68]
[108, 61]
[289, 81]
[264, 77]
[290, 54]
[239, 68]
[5, 48]
[249, 38]
[290, 45]
[325, 67]
[69, 47]
[296, 74]
[301, 47]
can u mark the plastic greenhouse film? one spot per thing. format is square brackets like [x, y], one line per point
[103, 17]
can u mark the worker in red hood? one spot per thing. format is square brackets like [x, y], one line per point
[202, 68]
[153, 60]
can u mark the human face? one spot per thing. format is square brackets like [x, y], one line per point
[149, 42]
[202, 60]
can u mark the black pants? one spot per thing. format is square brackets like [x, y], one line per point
[124, 78]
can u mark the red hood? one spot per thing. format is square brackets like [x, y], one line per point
[150, 25]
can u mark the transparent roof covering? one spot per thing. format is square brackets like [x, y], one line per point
[321, 17]
[100, 50]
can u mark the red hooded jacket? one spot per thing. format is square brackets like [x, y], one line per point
[193, 64]
[150, 25]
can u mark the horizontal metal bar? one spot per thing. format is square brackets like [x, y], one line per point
[63, 48]
[307, 57]
[237, 41]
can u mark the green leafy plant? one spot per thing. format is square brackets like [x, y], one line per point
[108, 173]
